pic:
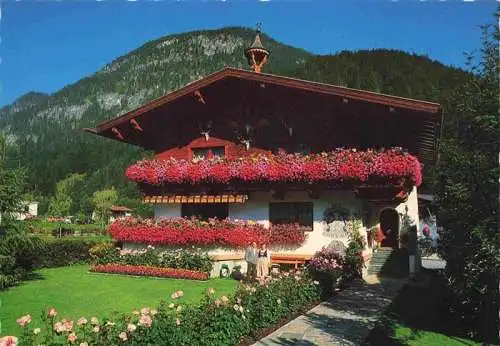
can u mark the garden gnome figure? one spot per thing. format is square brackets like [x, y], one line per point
[251, 259]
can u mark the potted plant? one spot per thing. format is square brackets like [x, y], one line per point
[236, 273]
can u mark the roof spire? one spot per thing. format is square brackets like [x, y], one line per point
[256, 54]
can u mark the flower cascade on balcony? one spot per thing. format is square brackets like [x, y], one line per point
[184, 231]
[392, 166]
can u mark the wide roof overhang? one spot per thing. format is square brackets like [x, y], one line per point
[232, 95]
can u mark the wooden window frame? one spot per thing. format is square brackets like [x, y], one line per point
[308, 227]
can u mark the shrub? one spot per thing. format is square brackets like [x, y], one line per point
[63, 252]
[215, 321]
[353, 262]
[105, 252]
[10, 275]
[188, 259]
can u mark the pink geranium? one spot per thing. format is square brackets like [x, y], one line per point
[184, 231]
[394, 166]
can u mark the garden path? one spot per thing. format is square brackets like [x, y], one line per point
[345, 319]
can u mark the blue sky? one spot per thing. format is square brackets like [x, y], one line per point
[47, 45]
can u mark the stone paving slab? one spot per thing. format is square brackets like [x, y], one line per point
[345, 319]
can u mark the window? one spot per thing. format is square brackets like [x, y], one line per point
[299, 212]
[202, 153]
[205, 211]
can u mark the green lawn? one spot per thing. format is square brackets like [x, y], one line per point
[75, 292]
[417, 317]
[410, 337]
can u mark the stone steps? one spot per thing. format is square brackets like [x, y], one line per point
[378, 260]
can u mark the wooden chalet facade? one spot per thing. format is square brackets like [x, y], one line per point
[236, 115]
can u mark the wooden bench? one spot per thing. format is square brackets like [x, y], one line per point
[290, 259]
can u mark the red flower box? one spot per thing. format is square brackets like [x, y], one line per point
[182, 231]
[344, 165]
[149, 271]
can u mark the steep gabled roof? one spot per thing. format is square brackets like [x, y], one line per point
[322, 88]
[236, 80]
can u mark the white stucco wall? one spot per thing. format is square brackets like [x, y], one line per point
[412, 205]
[257, 209]
[167, 210]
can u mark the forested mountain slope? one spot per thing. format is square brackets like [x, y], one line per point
[45, 132]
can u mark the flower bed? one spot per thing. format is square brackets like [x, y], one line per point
[217, 320]
[182, 231]
[190, 259]
[342, 166]
[149, 271]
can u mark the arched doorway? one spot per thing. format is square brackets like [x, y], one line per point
[389, 223]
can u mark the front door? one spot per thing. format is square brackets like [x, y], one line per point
[389, 223]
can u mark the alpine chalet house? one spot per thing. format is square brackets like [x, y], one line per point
[291, 163]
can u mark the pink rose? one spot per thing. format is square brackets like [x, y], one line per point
[52, 312]
[145, 311]
[58, 327]
[72, 337]
[123, 336]
[131, 327]
[8, 341]
[217, 302]
[82, 321]
[145, 321]
[24, 320]
[177, 321]
[68, 325]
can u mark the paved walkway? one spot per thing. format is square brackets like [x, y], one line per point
[345, 319]
[433, 262]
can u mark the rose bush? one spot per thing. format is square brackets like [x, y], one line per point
[149, 271]
[218, 320]
[391, 166]
[183, 231]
